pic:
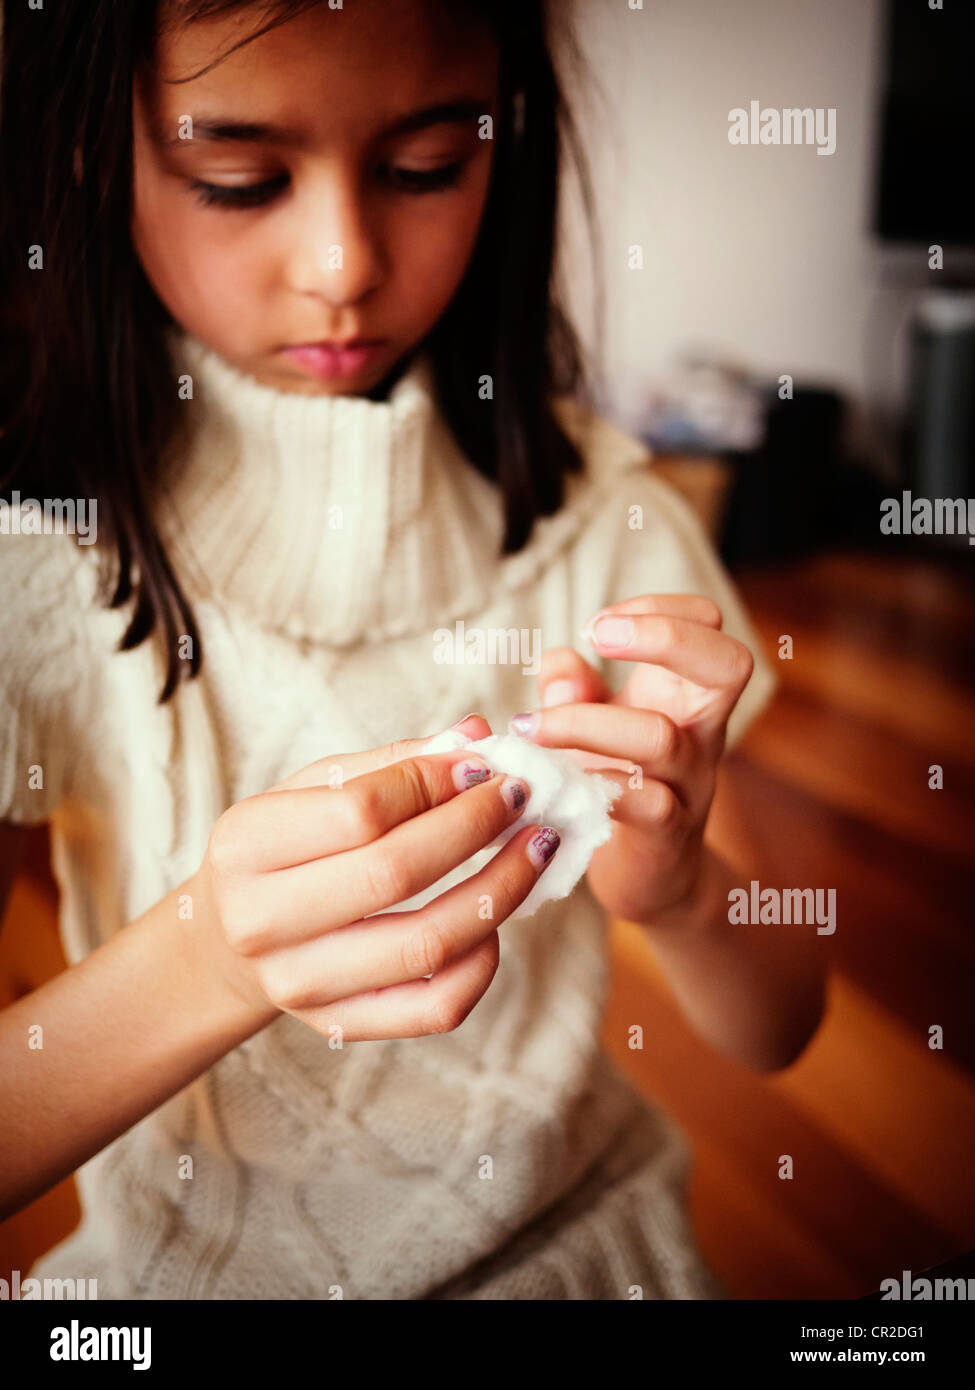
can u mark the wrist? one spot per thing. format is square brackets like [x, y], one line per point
[697, 909]
[231, 996]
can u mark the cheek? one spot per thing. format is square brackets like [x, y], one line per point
[435, 248]
[202, 272]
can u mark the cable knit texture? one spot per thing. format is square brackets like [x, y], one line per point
[326, 544]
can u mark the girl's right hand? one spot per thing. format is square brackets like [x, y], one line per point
[290, 874]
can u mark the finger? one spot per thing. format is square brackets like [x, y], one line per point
[565, 676]
[696, 608]
[325, 894]
[643, 737]
[652, 806]
[416, 1009]
[342, 767]
[473, 725]
[279, 829]
[397, 947]
[692, 650]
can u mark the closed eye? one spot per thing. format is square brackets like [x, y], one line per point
[416, 181]
[247, 195]
[425, 180]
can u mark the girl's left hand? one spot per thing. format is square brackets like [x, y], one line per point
[668, 721]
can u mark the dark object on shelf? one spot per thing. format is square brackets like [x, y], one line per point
[795, 494]
[939, 441]
[927, 126]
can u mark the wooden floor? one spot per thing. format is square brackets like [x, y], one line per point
[881, 1128]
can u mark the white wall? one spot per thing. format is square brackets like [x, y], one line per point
[762, 252]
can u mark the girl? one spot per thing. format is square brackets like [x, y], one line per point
[278, 278]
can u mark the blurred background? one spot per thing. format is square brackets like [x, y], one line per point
[793, 335]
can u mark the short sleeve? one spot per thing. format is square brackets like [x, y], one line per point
[42, 675]
[653, 543]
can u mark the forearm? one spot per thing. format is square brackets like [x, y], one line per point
[754, 991]
[107, 1041]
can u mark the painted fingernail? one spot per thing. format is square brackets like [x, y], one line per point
[526, 723]
[469, 773]
[614, 632]
[542, 846]
[559, 693]
[515, 793]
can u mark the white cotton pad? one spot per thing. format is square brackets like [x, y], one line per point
[576, 803]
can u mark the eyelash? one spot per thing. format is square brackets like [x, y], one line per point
[412, 181]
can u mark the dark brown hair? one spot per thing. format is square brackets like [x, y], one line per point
[87, 407]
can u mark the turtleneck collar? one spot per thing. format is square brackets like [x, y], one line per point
[337, 519]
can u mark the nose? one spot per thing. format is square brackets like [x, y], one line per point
[335, 253]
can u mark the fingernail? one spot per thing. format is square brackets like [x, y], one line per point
[464, 720]
[559, 693]
[587, 626]
[469, 773]
[614, 632]
[526, 723]
[515, 793]
[542, 846]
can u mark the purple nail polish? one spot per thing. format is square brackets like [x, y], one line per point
[515, 793]
[542, 846]
[469, 774]
[525, 724]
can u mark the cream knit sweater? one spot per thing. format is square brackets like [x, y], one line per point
[323, 542]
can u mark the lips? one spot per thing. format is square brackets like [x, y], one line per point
[336, 359]
[341, 344]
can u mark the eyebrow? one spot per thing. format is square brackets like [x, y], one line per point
[218, 129]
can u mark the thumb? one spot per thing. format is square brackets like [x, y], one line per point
[319, 773]
[565, 677]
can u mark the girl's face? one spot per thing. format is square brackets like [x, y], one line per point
[332, 188]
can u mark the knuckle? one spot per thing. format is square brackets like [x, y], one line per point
[223, 849]
[416, 783]
[361, 811]
[283, 989]
[490, 955]
[710, 612]
[488, 813]
[246, 928]
[399, 750]
[663, 737]
[669, 631]
[665, 807]
[425, 951]
[293, 996]
[448, 1010]
[447, 1013]
[512, 881]
[742, 664]
[386, 878]
[274, 986]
